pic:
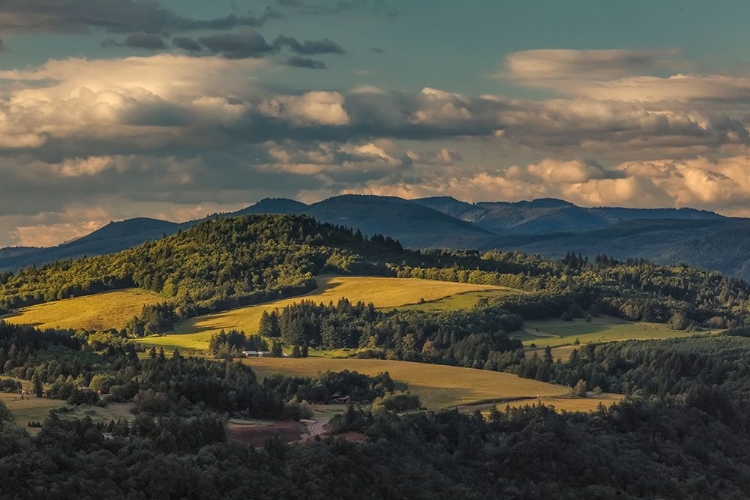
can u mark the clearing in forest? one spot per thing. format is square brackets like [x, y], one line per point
[438, 386]
[558, 333]
[29, 409]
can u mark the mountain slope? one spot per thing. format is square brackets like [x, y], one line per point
[274, 206]
[414, 225]
[113, 237]
[217, 264]
[722, 245]
[549, 215]
[17, 251]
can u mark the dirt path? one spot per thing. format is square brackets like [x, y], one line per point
[314, 428]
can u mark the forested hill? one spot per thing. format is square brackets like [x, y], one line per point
[548, 227]
[233, 261]
[217, 264]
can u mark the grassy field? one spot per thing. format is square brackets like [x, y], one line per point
[194, 333]
[459, 301]
[29, 409]
[567, 403]
[557, 333]
[92, 312]
[37, 410]
[438, 386]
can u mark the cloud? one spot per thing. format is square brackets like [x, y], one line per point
[625, 75]
[148, 41]
[309, 47]
[3, 47]
[443, 157]
[140, 104]
[721, 185]
[114, 16]
[187, 43]
[312, 108]
[246, 44]
[174, 131]
[332, 7]
[304, 62]
[544, 67]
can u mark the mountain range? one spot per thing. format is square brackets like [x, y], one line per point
[549, 227]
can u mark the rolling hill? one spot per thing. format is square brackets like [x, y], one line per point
[111, 238]
[548, 215]
[414, 225]
[549, 227]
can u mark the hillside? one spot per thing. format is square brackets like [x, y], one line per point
[414, 225]
[220, 263]
[16, 251]
[273, 206]
[547, 215]
[195, 333]
[111, 238]
[716, 245]
[549, 227]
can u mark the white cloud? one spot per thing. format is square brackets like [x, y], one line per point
[535, 67]
[313, 108]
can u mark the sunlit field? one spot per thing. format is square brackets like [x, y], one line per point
[92, 312]
[194, 333]
[556, 333]
[438, 386]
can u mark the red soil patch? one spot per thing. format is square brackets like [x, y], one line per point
[289, 432]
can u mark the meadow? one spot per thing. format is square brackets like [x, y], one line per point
[92, 312]
[438, 386]
[195, 333]
[465, 300]
[29, 409]
[561, 335]
[568, 403]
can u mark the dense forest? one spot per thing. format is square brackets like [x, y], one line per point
[682, 431]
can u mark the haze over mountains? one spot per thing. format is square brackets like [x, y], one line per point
[549, 227]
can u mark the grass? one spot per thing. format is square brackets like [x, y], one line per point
[460, 301]
[113, 411]
[567, 403]
[92, 312]
[438, 386]
[557, 333]
[29, 409]
[195, 333]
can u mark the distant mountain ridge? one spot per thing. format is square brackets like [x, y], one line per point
[551, 215]
[548, 226]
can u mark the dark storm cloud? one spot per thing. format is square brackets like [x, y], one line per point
[115, 16]
[309, 47]
[246, 44]
[327, 7]
[187, 43]
[148, 41]
[304, 62]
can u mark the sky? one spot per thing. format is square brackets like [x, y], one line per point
[175, 109]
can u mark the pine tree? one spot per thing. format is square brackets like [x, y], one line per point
[38, 387]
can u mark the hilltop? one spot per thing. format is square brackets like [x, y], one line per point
[548, 227]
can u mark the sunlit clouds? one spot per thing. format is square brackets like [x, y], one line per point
[172, 114]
